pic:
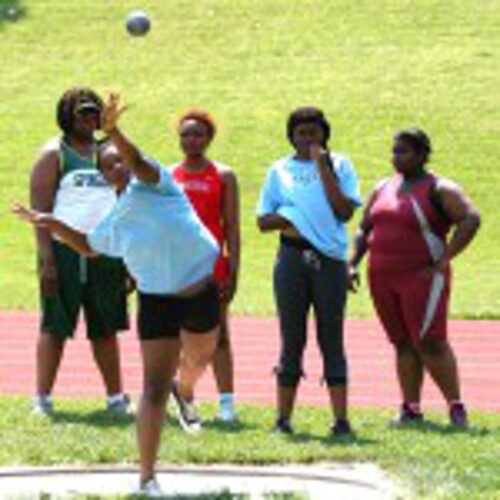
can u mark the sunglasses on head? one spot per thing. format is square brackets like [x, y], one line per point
[88, 110]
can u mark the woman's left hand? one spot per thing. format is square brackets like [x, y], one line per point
[111, 113]
[227, 290]
[441, 266]
[38, 219]
[353, 279]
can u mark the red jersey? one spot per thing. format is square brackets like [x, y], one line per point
[204, 188]
[408, 230]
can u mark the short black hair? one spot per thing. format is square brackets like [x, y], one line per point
[201, 116]
[308, 114]
[418, 140]
[65, 111]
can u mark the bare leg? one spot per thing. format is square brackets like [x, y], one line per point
[197, 353]
[338, 401]
[286, 401]
[410, 370]
[222, 363]
[440, 360]
[107, 357]
[49, 354]
[160, 360]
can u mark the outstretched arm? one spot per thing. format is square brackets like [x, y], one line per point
[132, 157]
[74, 239]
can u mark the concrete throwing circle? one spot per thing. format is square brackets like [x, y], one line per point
[321, 481]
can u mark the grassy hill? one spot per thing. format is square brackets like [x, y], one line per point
[374, 67]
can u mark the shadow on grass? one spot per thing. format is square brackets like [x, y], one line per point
[98, 418]
[104, 419]
[444, 429]
[223, 495]
[228, 427]
[11, 11]
[330, 440]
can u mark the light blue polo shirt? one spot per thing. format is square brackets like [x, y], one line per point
[293, 189]
[156, 232]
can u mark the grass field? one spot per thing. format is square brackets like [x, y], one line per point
[430, 461]
[373, 66]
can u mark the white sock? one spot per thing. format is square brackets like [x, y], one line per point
[43, 398]
[226, 399]
[115, 398]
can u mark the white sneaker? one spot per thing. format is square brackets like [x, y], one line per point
[191, 420]
[150, 489]
[42, 406]
[120, 405]
[186, 412]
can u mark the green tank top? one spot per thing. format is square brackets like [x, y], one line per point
[72, 161]
[83, 196]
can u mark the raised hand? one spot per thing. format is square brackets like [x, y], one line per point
[316, 151]
[111, 113]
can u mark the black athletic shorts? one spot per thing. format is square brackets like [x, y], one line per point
[164, 316]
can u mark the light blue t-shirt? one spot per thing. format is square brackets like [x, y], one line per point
[161, 240]
[294, 190]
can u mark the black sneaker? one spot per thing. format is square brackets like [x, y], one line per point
[341, 427]
[407, 415]
[282, 426]
[458, 416]
[186, 412]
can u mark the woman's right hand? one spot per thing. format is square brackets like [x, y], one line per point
[317, 152]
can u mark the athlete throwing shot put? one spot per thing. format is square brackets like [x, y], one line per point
[170, 254]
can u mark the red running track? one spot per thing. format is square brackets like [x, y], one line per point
[255, 341]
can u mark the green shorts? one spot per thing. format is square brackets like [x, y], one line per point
[96, 285]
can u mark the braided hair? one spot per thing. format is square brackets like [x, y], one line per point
[65, 110]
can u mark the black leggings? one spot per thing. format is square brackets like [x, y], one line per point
[305, 277]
